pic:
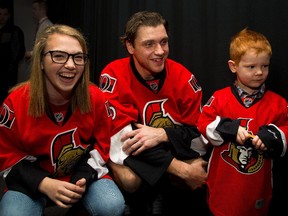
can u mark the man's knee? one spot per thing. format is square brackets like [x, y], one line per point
[131, 182]
[125, 177]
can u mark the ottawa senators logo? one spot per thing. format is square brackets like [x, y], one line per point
[7, 116]
[194, 84]
[65, 153]
[210, 101]
[244, 158]
[107, 83]
[154, 115]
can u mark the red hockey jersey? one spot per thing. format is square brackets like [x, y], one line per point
[171, 100]
[57, 148]
[239, 177]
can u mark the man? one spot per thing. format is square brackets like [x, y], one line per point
[12, 49]
[155, 103]
[39, 13]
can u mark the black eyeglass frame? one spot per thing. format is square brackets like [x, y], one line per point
[85, 57]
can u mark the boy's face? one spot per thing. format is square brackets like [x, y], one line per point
[252, 70]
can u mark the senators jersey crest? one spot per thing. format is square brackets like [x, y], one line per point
[65, 153]
[194, 84]
[244, 158]
[107, 83]
[154, 115]
[7, 116]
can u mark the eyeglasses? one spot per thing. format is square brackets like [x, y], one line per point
[61, 57]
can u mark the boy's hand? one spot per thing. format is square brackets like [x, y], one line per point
[242, 135]
[257, 142]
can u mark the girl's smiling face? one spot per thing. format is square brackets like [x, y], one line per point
[60, 79]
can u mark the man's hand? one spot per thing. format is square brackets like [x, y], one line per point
[193, 172]
[144, 137]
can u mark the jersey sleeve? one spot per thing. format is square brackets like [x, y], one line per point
[120, 97]
[12, 151]
[209, 121]
[25, 177]
[122, 107]
[274, 135]
[283, 128]
[185, 139]
[187, 142]
[100, 154]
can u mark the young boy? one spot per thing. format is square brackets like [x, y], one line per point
[247, 125]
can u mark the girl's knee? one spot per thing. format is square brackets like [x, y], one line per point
[105, 198]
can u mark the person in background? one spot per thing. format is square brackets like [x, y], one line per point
[40, 15]
[54, 133]
[247, 125]
[12, 50]
[155, 102]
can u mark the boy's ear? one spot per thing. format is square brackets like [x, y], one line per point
[232, 66]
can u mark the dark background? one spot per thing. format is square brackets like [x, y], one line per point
[200, 32]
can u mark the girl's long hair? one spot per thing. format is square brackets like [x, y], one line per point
[39, 101]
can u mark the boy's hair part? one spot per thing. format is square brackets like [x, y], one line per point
[248, 39]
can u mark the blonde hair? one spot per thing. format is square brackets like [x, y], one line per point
[39, 101]
[245, 40]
